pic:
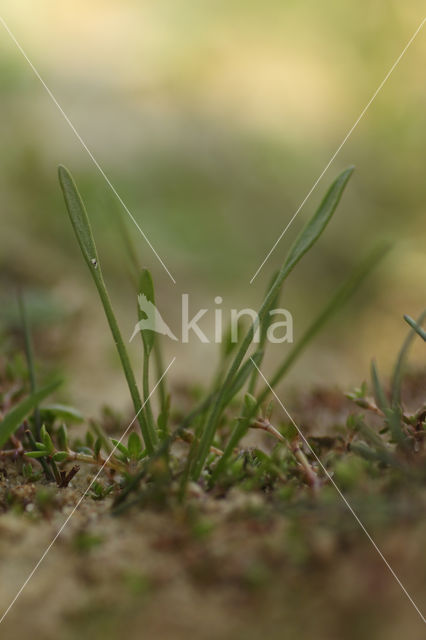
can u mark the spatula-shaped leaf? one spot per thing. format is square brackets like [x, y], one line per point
[81, 225]
[316, 225]
[79, 217]
[308, 236]
[14, 418]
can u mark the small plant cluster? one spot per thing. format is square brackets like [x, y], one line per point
[210, 435]
[400, 438]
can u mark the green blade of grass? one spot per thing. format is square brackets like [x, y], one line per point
[12, 421]
[305, 240]
[342, 295]
[81, 225]
[399, 365]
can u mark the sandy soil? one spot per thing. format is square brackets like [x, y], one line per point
[234, 568]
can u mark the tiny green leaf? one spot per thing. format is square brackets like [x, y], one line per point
[36, 454]
[60, 456]
[62, 437]
[44, 435]
[250, 403]
[85, 450]
[120, 447]
[134, 446]
[97, 447]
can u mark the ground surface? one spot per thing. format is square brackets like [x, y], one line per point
[248, 565]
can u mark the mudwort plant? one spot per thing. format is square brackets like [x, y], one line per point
[210, 451]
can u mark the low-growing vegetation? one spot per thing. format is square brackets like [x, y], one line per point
[234, 441]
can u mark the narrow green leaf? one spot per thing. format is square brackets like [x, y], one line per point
[36, 454]
[47, 440]
[44, 435]
[81, 226]
[316, 225]
[14, 418]
[79, 217]
[342, 295]
[305, 240]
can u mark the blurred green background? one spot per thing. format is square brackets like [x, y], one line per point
[212, 119]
